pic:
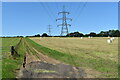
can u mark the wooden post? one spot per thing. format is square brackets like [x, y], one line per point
[12, 50]
[24, 63]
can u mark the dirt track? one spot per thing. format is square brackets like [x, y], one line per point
[38, 69]
[46, 70]
[43, 66]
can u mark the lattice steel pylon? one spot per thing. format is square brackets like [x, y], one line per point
[49, 29]
[64, 24]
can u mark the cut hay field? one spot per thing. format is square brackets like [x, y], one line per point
[95, 55]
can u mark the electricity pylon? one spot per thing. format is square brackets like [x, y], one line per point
[49, 29]
[64, 24]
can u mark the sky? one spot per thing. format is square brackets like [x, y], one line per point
[30, 18]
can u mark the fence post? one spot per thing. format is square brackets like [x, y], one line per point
[12, 50]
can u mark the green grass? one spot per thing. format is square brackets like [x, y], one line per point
[97, 60]
[29, 49]
[9, 65]
[7, 43]
[107, 67]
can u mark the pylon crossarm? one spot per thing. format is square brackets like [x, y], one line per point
[59, 19]
[69, 19]
[63, 13]
[68, 24]
[59, 25]
[64, 19]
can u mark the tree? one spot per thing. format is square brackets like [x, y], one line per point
[92, 34]
[70, 35]
[75, 34]
[112, 33]
[115, 33]
[44, 35]
[38, 35]
[104, 34]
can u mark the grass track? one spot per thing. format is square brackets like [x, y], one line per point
[9, 65]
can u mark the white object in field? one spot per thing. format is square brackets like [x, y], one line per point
[81, 37]
[88, 36]
[113, 38]
[109, 41]
[40, 37]
[91, 37]
[108, 36]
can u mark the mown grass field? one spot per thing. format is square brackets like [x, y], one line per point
[94, 54]
[10, 64]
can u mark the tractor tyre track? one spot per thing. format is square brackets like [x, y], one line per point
[42, 66]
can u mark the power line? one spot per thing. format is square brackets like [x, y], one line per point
[50, 11]
[76, 10]
[70, 6]
[49, 15]
[79, 12]
[64, 24]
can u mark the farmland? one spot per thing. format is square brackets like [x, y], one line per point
[59, 39]
[95, 55]
[9, 65]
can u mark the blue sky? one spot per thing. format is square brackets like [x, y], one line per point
[30, 18]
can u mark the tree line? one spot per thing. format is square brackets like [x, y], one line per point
[111, 33]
